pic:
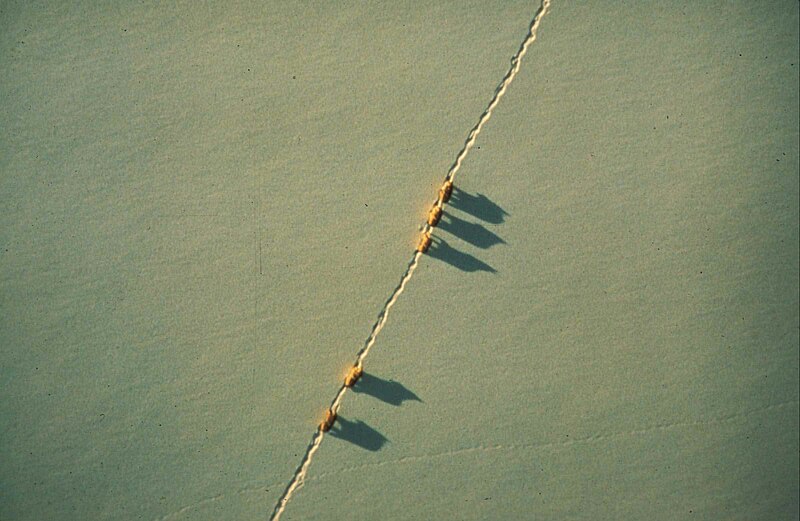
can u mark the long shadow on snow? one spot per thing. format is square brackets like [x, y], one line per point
[358, 433]
[389, 391]
[463, 261]
[473, 233]
[478, 206]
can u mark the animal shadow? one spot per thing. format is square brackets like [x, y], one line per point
[441, 250]
[358, 433]
[473, 233]
[389, 391]
[478, 206]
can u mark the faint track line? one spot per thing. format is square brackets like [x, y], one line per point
[597, 438]
[250, 489]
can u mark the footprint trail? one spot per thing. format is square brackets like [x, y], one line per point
[425, 240]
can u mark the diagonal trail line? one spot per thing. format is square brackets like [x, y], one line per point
[299, 476]
[501, 89]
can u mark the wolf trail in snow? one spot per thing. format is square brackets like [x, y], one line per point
[299, 476]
